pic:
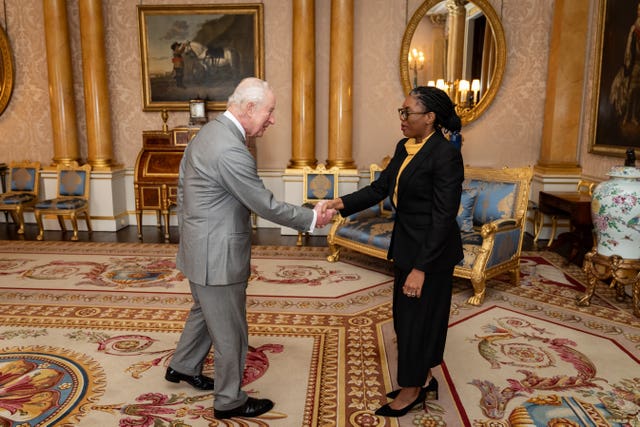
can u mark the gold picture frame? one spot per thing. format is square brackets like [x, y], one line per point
[615, 108]
[7, 71]
[198, 51]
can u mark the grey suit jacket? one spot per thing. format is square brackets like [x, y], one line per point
[218, 187]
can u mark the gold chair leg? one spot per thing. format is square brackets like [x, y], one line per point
[38, 216]
[299, 241]
[20, 218]
[515, 276]
[554, 226]
[537, 227]
[87, 218]
[63, 226]
[74, 224]
[14, 217]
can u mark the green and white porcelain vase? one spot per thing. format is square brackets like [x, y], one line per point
[615, 211]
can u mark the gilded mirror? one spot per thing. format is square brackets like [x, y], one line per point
[459, 46]
[6, 70]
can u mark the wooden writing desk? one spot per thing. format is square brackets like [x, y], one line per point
[578, 207]
[156, 175]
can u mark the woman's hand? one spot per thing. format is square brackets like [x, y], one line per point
[333, 204]
[413, 284]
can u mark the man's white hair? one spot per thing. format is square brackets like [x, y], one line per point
[250, 89]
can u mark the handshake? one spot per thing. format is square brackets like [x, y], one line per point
[324, 213]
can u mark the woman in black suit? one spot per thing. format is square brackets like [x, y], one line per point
[424, 181]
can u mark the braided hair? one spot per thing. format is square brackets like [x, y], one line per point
[437, 100]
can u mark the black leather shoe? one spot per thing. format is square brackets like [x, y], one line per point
[251, 408]
[198, 381]
[388, 411]
[431, 389]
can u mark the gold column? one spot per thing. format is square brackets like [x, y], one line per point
[559, 148]
[96, 91]
[341, 85]
[66, 148]
[303, 127]
[438, 48]
[488, 61]
[457, 22]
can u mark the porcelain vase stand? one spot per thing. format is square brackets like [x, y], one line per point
[621, 271]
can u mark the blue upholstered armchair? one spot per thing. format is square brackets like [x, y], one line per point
[493, 243]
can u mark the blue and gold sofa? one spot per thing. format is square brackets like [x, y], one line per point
[492, 219]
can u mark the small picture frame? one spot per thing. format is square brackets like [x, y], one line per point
[183, 135]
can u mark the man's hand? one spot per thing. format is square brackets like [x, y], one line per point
[324, 215]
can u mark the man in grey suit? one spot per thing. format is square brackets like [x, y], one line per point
[218, 187]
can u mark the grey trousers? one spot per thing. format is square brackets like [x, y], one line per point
[219, 317]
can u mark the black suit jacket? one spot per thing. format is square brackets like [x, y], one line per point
[425, 235]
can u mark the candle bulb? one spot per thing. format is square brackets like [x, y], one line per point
[475, 88]
[463, 87]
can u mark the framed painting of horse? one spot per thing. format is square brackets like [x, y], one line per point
[615, 123]
[198, 52]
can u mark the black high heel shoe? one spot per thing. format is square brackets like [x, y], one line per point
[431, 390]
[388, 411]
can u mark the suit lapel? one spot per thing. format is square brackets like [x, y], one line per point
[414, 164]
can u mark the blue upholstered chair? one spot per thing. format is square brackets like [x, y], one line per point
[317, 185]
[374, 172]
[71, 201]
[24, 182]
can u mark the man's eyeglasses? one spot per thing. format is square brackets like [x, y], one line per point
[405, 113]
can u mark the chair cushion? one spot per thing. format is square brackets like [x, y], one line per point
[75, 203]
[16, 199]
[495, 200]
[369, 228]
[465, 212]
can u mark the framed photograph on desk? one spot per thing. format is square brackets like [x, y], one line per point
[198, 52]
[615, 123]
[183, 135]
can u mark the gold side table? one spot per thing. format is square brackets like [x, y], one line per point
[621, 271]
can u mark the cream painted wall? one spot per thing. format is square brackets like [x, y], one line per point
[509, 133]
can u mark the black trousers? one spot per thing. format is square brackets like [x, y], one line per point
[421, 325]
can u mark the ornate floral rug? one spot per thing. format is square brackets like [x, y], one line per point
[87, 330]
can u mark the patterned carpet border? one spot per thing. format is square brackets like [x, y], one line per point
[352, 356]
[170, 250]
